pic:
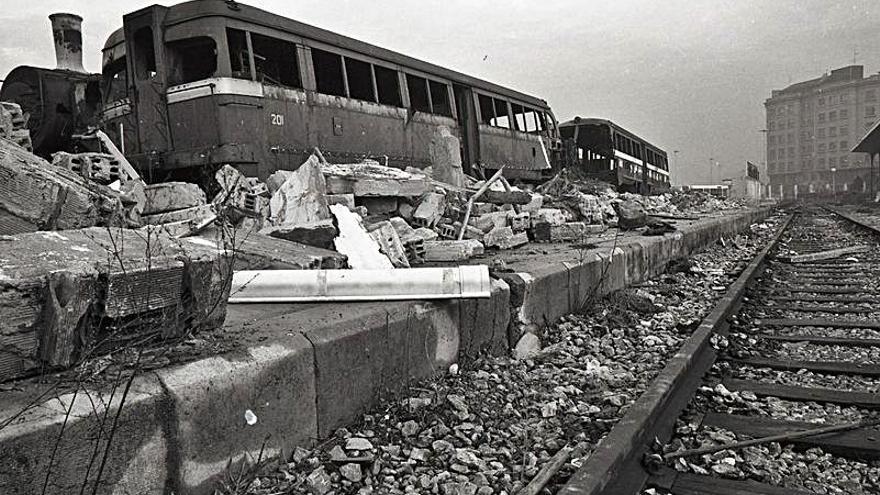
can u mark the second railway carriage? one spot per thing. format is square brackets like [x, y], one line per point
[610, 153]
[190, 87]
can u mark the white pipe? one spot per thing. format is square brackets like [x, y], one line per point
[287, 286]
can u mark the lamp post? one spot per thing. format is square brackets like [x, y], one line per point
[764, 165]
[834, 183]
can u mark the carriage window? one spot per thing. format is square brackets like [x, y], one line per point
[144, 54]
[418, 93]
[487, 112]
[519, 116]
[191, 60]
[388, 85]
[239, 57]
[115, 80]
[328, 72]
[275, 61]
[502, 118]
[360, 80]
[542, 122]
[440, 99]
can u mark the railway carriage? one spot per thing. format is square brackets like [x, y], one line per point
[608, 152]
[190, 87]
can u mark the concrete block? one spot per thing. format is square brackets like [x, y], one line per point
[211, 399]
[170, 196]
[521, 222]
[452, 250]
[430, 210]
[504, 238]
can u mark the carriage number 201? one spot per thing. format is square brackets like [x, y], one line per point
[277, 119]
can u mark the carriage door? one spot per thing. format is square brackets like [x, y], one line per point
[144, 42]
[467, 122]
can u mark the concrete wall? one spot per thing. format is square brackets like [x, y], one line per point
[301, 372]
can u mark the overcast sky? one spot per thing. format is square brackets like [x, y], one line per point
[688, 75]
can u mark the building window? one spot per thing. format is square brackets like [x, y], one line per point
[832, 161]
[832, 146]
[844, 145]
[771, 155]
[844, 114]
[790, 138]
[820, 133]
[843, 98]
[821, 117]
[832, 132]
[275, 61]
[870, 95]
[790, 124]
[844, 131]
[870, 111]
[388, 86]
[328, 72]
[832, 116]
[821, 147]
[771, 140]
[821, 101]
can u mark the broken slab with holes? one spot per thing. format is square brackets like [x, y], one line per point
[34, 196]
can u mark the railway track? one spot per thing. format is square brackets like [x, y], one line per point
[790, 357]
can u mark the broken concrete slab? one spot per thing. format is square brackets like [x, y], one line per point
[274, 181]
[301, 198]
[88, 281]
[452, 250]
[506, 197]
[444, 151]
[504, 238]
[187, 214]
[552, 216]
[320, 233]
[372, 179]
[390, 244]
[171, 196]
[493, 220]
[36, 196]
[255, 251]
[427, 234]
[355, 242]
[630, 215]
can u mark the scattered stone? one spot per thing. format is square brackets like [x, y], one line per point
[528, 346]
[351, 472]
[358, 443]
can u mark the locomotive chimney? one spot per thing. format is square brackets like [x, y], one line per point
[67, 31]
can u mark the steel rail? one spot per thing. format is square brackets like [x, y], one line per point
[616, 466]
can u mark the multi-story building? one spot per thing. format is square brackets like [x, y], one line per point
[812, 127]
